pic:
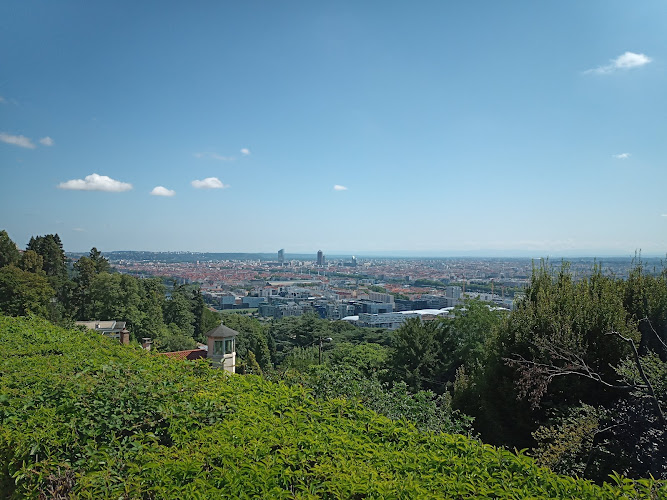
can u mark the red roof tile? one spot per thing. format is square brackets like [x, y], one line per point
[190, 354]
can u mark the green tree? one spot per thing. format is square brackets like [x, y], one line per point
[552, 352]
[367, 358]
[152, 305]
[119, 297]
[645, 299]
[85, 269]
[178, 310]
[416, 357]
[253, 338]
[9, 253]
[198, 307]
[85, 272]
[171, 340]
[23, 292]
[101, 263]
[50, 247]
[32, 262]
[474, 325]
[210, 320]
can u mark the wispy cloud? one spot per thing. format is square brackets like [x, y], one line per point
[245, 151]
[338, 187]
[47, 141]
[209, 183]
[162, 191]
[17, 140]
[2, 100]
[625, 61]
[78, 229]
[622, 156]
[663, 215]
[207, 155]
[95, 182]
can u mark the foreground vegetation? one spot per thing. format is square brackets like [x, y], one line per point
[576, 374]
[84, 417]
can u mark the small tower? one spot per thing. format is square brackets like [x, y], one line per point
[222, 347]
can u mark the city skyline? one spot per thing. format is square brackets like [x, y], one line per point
[386, 129]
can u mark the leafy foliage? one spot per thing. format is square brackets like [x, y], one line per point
[9, 254]
[428, 354]
[50, 248]
[253, 339]
[83, 417]
[425, 409]
[575, 358]
[23, 292]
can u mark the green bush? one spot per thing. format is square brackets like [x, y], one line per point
[83, 417]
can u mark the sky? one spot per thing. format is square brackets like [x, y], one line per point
[418, 128]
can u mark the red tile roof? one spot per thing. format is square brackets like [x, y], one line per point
[190, 354]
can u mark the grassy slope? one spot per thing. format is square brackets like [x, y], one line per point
[82, 416]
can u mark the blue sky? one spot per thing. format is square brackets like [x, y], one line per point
[427, 128]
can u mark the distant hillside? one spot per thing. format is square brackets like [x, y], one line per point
[194, 256]
[172, 257]
[81, 416]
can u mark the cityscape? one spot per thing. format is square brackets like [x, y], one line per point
[366, 291]
[333, 250]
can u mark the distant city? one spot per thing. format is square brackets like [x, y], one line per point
[368, 291]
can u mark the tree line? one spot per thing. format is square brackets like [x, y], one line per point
[41, 281]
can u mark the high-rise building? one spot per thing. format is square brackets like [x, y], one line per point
[281, 256]
[320, 258]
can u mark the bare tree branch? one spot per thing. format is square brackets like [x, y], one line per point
[642, 374]
[535, 376]
[664, 345]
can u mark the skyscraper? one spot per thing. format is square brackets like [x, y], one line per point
[281, 256]
[320, 258]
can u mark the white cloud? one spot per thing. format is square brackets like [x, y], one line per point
[17, 140]
[338, 187]
[623, 62]
[622, 156]
[245, 151]
[78, 229]
[46, 141]
[94, 182]
[631, 60]
[162, 191]
[213, 156]
[209, 183]
[663, 215]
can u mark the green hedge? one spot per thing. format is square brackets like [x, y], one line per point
[83, 417]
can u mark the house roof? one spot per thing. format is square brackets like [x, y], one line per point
[189, 354]
[222, 331]
[103, 325]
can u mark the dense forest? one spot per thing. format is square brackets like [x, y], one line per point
[575, 375]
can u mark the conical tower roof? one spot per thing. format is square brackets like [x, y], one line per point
[222, 331]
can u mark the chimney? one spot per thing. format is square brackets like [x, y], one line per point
[146, 343]
[124, 337]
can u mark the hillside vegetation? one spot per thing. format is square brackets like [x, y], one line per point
[82, 417]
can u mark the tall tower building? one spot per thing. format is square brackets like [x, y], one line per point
[320, 258]
[281, 256]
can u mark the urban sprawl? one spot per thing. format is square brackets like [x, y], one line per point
[371, 292]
